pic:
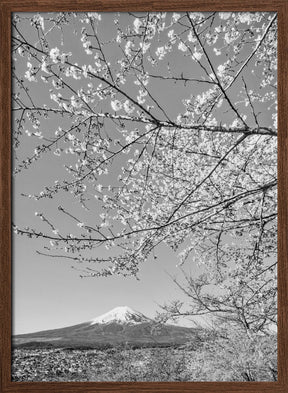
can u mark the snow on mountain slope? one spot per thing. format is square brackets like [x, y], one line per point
[122, 315]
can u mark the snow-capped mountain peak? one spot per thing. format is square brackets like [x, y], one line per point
[123, 315]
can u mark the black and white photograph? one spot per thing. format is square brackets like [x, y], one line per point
[144, 199]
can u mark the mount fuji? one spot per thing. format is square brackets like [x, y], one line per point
[122, 315]
[121, 325]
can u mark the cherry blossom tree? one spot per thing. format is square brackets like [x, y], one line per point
[165, 125]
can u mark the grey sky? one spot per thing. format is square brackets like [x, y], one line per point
[47, 293]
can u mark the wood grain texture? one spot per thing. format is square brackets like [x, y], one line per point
[283, 196]
[6, 7]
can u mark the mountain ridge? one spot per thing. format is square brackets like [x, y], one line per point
[121, 314]
[121, 325]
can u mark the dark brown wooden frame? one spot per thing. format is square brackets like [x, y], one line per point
[9, 6]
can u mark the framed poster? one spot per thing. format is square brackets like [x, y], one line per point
[140, 233]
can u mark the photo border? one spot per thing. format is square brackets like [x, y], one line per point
[7, 8]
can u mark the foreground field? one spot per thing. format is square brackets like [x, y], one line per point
[99, 365]
[208, 362]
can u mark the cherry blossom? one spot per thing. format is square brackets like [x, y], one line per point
[164, 126]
